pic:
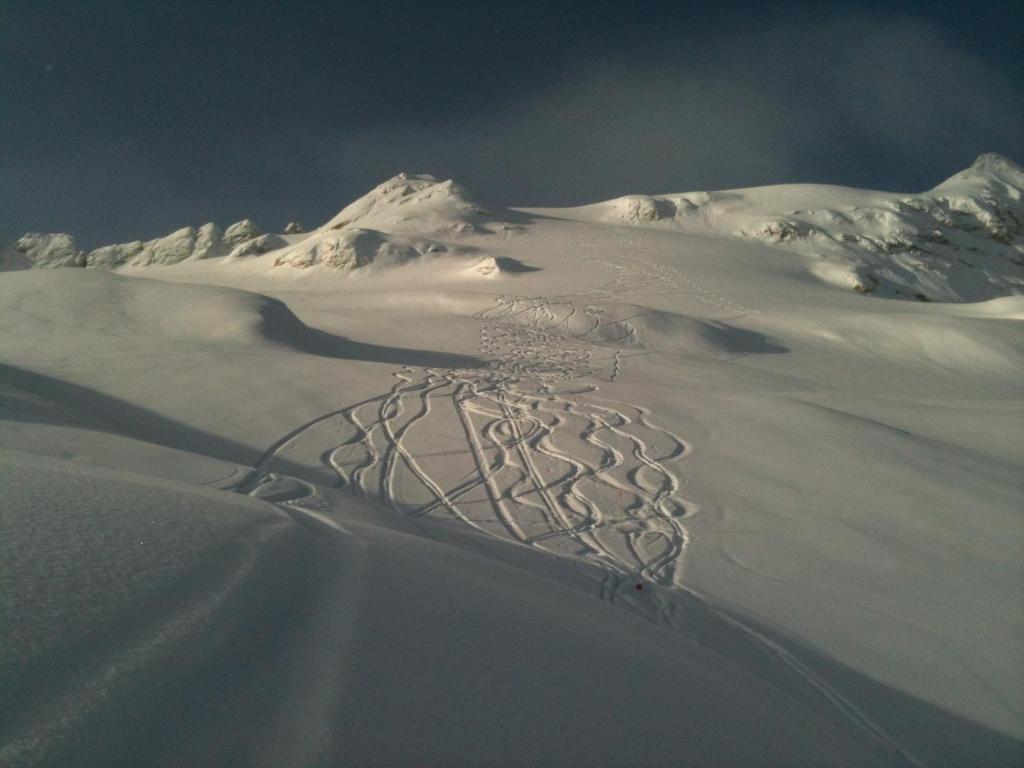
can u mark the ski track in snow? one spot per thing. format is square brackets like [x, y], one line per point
[553, 465]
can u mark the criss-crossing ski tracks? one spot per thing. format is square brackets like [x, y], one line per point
[544, 464]
[527, 449]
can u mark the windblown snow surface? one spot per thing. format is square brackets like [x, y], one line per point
[725, 479]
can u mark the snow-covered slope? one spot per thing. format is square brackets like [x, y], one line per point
[961, 241]
[660, 496]
[161, 570]
[312, 637]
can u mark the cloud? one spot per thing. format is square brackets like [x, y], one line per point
[852, 100]
[882, 101]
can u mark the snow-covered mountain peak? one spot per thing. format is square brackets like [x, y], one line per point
[995, 165]
[418, 203]
[990, 176]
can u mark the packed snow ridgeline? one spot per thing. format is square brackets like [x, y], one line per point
[961, 241]
[404, 219]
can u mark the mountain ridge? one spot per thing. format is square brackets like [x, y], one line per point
[962, 240]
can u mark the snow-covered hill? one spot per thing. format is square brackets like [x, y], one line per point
[658, 481]
[961, 241]
[398, 222]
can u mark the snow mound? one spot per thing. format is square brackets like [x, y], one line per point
[643, 209]
[241, 231]
[979, 343]
[36, 249]
[186, 244]
[662, 331]
[181, 245]
[631, 326]
[354, 248]
[113, 305]
[961, 241]
[257, 246]
[415, 204]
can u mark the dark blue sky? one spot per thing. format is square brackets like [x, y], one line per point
[127, 120]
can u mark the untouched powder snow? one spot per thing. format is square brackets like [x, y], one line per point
[295, 626]
[672, 480]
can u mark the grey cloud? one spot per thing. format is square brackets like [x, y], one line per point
[851, 101]
[878, 101]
